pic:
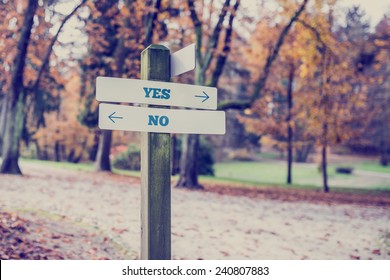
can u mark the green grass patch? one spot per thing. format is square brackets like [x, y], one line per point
[261, 174]
[266, 172]
[304, 175]
[84, 166]
[373, 166]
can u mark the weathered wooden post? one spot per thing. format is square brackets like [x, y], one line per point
[155, 169]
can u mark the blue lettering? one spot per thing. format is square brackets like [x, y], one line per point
[147, 91]
[153, 120]
[156, 93]
[157, 120]
[164, 121]
[166, 93]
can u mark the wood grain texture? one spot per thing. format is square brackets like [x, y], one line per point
[155, 169]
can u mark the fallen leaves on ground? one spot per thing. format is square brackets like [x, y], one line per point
[373, 198]
[15, 245]
[22, 238]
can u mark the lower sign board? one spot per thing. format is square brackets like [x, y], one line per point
[131, 118]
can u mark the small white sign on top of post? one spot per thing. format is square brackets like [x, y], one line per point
[183, 60]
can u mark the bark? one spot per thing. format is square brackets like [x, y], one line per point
[324, 168]
[3, 114]
[150, 22]
[175, 155]
[384, 147]
[16, 100]
[302, 152]
[102, 159]
[289, 125]
[57, 153]
[102, 162]
[94, 148]
[189, 163]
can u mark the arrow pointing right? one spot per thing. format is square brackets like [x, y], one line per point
[205, 96]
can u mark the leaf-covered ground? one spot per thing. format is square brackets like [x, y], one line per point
[20, 238]
[68, 214]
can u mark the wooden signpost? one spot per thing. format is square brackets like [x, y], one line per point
[155, 124]
[155, 169]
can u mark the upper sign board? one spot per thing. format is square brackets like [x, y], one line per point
[131, 118]
[155, 93]
[183, 60]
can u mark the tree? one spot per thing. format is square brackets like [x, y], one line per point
[21, 86]
[329, 102]
[188, 176]
[16, 96]
[215, 52]
[126, 31]
[338, 105]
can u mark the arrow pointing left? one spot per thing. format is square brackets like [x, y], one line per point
[112, 117]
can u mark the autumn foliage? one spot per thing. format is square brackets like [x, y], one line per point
[305, 77]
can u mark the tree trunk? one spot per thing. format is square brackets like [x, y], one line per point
[289, 126]
[175, 155]
[324, 163]
[16, 99]
[384, 147]
[3, 114]
[92, 152]
[303, 151]
[189, 153]
[102, 162]
[189, 163]
[324, 168]
[13, 131]
[57, 151]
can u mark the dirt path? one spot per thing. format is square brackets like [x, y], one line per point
[103, 210]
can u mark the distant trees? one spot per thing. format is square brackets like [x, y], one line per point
[310, 82]
[372, 64]
[322, 63]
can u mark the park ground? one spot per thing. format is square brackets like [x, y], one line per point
[56, 211]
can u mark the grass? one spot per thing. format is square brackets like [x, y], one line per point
[304, 175]
[272, 173]
[371, 166]
[266, 172]
[68, 165]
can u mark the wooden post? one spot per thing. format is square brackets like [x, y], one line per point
[155, 169]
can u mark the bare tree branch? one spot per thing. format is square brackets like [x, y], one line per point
[221, 60]
[261, 82]
[198, 31]
[150, 22]
[46, 58]
[213, 42]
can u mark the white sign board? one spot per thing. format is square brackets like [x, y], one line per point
[183, 60]
[155, 93]
[131, 118]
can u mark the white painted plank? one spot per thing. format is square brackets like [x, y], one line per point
[183, 60]
[155, 93]
[131, 118]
